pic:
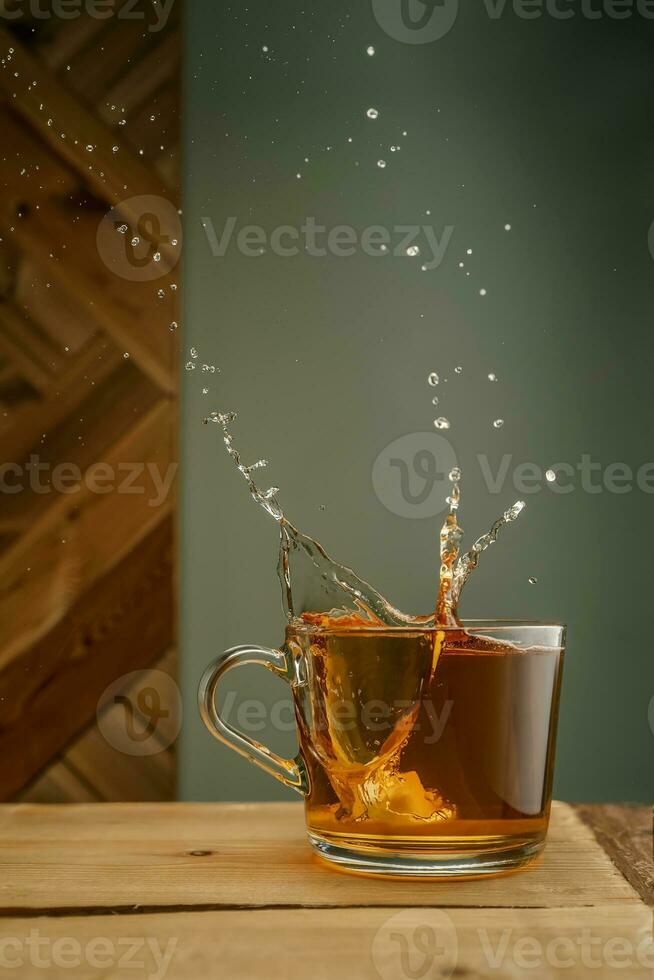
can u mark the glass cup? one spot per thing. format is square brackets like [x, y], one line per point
[423, 751]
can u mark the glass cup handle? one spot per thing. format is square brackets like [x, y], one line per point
[291, 772]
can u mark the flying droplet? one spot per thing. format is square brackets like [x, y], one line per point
[413, 250]
[157, 256]
[492, 377]
[433, 379]
[89, 148]
[550, 476]
[173, 326]
[441, 422]
[458, 370]
[533, 580]
[498, 423]
[482, 292]
[126, 355]
[372, 113]
[135, 240]
[122, 229]
[370, 50]
[434, 400]
[507, 227]
[468, 251]
[455, 474]
[190, 366]
[381, 163]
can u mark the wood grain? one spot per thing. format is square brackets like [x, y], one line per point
[123, 623]
[625, 833]
[175, 856]
[353, 944]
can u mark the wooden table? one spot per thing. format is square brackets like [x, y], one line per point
[232, 890]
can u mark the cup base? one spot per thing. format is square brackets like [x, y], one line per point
[437, 862]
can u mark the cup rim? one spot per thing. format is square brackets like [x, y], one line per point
[470, 624]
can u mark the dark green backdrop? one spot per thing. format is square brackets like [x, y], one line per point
[541, 123]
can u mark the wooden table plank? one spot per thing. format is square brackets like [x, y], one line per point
[356, 944]
[202, 856]
[625, 833]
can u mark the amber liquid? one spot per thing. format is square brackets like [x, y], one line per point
[427, 740]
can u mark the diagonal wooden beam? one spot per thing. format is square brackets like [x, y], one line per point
[39, 96]
[23, 429]
[121, 623]
[127, 312]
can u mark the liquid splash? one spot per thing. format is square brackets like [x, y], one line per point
[320, 590]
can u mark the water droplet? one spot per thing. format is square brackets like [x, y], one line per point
[381, 163]
[157, 256]
[126, 355]
[193, 352]
[370, 50]
[455, 474]
[122, 229]
[114, 149]
[173, 326]
[135, 240]
[413, 250]
[492, 377]
[433, 379]
[507, 227]
[458, 370]
[468, 251]
[434, 400]
[372, 113]
[533, 580]
[205, 391]
[161, 293]
[89, 148]
[265, 48]
[482, 292]
[498, 423]
[441, 422]
[550, 476]
[190, 366]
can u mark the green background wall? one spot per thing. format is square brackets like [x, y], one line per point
[544, 124]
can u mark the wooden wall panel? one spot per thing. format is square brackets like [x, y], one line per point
[88, 375]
